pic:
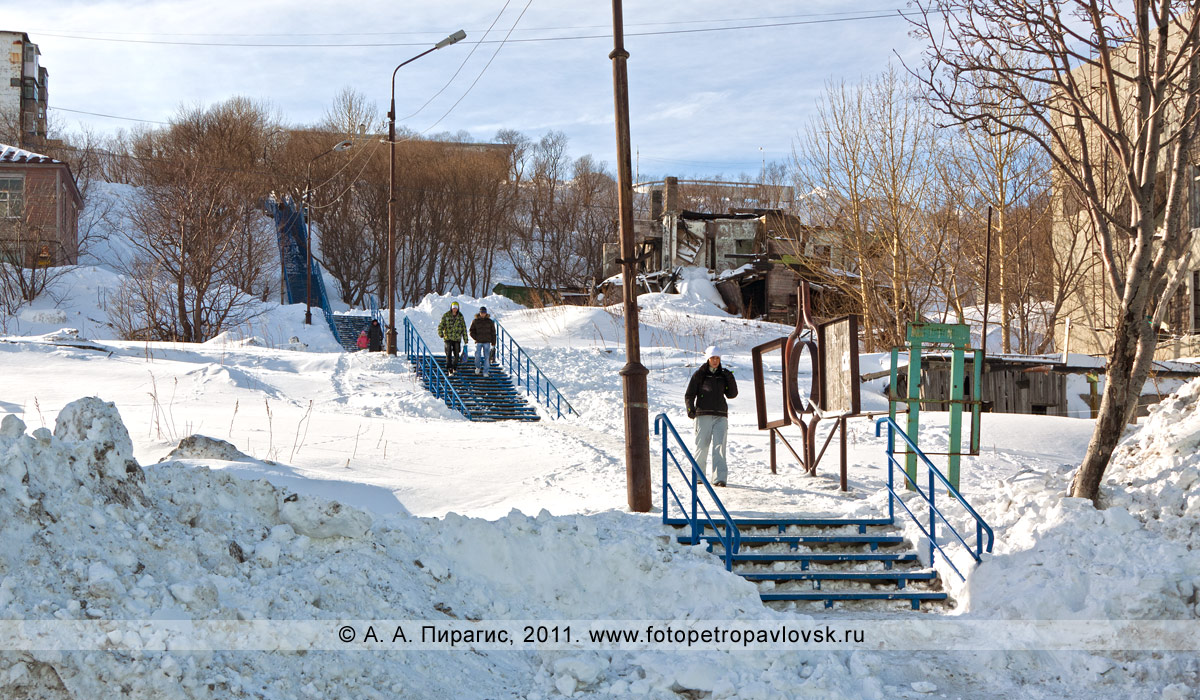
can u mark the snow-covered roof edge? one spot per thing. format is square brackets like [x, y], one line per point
[12, 154]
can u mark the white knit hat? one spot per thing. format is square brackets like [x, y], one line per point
[711, 351]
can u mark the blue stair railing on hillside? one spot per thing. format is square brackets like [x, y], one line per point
[291, 234]
[526, 373]
[693, 478]
[430, 371]
[929, 496]
[376, 314]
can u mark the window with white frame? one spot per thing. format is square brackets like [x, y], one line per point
[12, 196]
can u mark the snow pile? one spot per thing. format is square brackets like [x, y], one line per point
[698, 293]
[90, 535]
[1155, 474]
[1060, 558]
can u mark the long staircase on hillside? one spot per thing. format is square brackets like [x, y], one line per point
[300, 270]
[819, 559]
[291, 234]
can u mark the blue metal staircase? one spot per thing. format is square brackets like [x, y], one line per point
[291, 234]
[478, 398]
[527, 374]
[812, 559]
[346, 328]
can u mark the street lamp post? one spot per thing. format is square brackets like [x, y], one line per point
[391, 248]
[633, 374]
[340, 146]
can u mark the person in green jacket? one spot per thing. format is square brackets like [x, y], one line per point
[452, 330]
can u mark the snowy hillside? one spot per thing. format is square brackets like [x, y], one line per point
[333, 486]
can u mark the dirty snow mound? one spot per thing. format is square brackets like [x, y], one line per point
[204, 447]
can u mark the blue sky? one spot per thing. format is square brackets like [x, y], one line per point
[702, 102]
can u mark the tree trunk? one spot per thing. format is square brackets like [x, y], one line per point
[1110, 421]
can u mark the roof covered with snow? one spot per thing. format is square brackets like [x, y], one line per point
[12, 154]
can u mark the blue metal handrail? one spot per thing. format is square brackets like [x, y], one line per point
[929, 497]
[376, 314]
[291, 235]
[526, 373]
[429, 370]
[731, 539]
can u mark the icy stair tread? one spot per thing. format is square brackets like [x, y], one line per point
[489, 398]
[851, 574]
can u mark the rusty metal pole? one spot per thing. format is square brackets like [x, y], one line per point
[987, 283]
[633, 374]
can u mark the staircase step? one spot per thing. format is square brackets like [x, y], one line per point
[896, 576]
[753, 540]
[885, 558]
[828, 597]
[802, 522]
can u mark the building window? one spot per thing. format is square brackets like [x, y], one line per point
[1194, 199]
[12, 196]
[12, 253]
[1195, 301]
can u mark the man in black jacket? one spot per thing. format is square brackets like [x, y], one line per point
[374, 336]
[705, 399]
[483, 331]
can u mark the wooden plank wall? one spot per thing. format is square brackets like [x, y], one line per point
[1005, 389]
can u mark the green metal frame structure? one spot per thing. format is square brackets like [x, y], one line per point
[956, 337]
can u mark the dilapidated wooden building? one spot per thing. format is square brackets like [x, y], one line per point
[760, 256]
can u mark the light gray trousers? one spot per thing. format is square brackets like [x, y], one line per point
[712, 430]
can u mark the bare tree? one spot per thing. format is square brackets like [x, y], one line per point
[350, 110]
[200, 241]
[1112, 91]
[868, 166]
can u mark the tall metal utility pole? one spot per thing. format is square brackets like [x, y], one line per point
[633, 374]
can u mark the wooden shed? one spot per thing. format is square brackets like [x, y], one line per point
[1009, 385]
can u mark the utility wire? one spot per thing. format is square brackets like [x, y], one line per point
[461, 65]
[768, 25]
[109, 116]
[848, 14]
[482, 71]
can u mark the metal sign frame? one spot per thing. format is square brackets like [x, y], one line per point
[806, 411]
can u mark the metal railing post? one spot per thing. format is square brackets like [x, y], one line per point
[932, 516]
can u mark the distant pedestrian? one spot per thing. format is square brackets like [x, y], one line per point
[483, 330]
[362, 339]
[452, 330]
[375, 336]
[705, 400]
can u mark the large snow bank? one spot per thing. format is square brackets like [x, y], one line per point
[89, 534]
[1060, 558]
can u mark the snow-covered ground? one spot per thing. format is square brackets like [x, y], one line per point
[332, 486]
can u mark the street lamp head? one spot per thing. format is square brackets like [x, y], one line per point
[452, 39]
[343, 145]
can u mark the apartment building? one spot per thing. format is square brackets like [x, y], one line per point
[23, 91]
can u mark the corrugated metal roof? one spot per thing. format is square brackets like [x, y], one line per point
[12, 154]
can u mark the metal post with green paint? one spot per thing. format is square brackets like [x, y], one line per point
[958, 337]
[914, 405]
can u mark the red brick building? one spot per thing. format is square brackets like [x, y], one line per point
[39, 210]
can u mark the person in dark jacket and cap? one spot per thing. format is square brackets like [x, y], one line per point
[483, 332]
[705, 400]
[374, 337]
